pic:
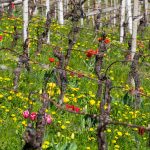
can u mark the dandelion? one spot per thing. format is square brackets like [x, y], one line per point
[24, 123]
[91, 129]
[1, 96]
[63, 127]
[119, 133]
[92, 102]
[113, 141]
[66, 100]
[117, 146]
[72, 136]
[108, 130]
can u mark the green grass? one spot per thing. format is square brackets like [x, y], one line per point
[66, 127]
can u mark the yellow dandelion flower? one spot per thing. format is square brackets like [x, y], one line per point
[91, 129]
[72, 136]
[63, 127]
[66, 100]
[53, 112]
[113, 141]
[119, 133]
[9, 98]
[1, 95]
[92, 102]
[108, 130]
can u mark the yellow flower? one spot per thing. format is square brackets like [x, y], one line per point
[92, 102]
[108, 130]
[63, 127]
[119, 133]
[1, 96]
[66, 100]
[53, 112]
[68, 122]
[113, 141]
[117, 146]
[24, 123]
[72, 136]
[14, 119]
[52, 85]
[88, 148]
[127, 134]
[91, 129]
[75, 100]
[9, 98]
[50, 92]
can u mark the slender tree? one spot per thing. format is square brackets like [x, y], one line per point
[47, 10]
[25, 19]
[60, 12]
[122, 20]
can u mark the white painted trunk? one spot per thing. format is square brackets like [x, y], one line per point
[134, 29]
[47, 10]
[60, 12]
[129, 15]
[115, 11]
[65, 6]
[82, 20]
[122, 20]
[25, 19]
[146, 11]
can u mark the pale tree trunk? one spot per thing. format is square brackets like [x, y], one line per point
[129, 15]
[146, 11]
[88, 7]
[114, 20]
[65, 6]
[60, 12]
[122, 20]
[106, 5]
[47, 10]
[25, 20]
[36, 10]
[55, 11]
[82, 19]
[134, 28]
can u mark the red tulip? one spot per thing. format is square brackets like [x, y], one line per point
[33, 116]
[1, 37]
[51, 59]
[26, 114]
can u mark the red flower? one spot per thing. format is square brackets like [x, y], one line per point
[91, 52]
[107, 41]
[51, 59]
[1, 37]
[141, 130]
[73, 108]
[77, 109]
[72, 74]
[100, 39]
[33, 116]
[80, 75]
[12, 5]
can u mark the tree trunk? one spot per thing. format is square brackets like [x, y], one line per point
[146, 11]
[60, 12]
[25, 19]
[134, 30]
[47, 10]
[129, 15]
[122, 20]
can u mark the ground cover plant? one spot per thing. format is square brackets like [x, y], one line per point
[76, 92]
